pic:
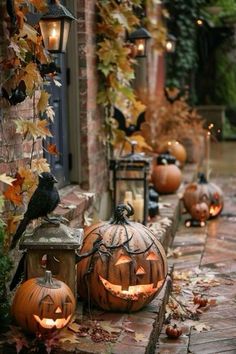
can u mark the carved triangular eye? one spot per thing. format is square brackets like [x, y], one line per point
[58, 310]
[123, 259]
[152, 257]
[68, 300]
[140, 271]
[47, 300]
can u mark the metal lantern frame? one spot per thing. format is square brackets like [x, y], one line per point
[61, 17]
[132, 163]
[140, 36]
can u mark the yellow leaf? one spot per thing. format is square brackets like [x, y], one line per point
[6, 179]
[31, 77]
[30, 179]
[139, 337]
[43, 101]
[30, 32]
[40, 165]
[29, 128]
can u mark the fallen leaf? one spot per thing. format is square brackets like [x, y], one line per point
[139, 337]
[107, 326]
[201, 327]
[75, 327]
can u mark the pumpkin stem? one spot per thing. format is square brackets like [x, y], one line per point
[202, 178]
[122, 212]
[47, 281]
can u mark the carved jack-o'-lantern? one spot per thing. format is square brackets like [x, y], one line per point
[200, 211]
[203, 191]
[43, 305]
[127, 266]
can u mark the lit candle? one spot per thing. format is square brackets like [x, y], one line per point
[53, 39]
[141, 48]
[208, 139]
[138, 203]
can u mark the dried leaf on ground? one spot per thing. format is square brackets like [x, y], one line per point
[199, 327]
[139, 337]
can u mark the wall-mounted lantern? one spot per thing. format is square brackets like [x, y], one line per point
[140, 37]
[170, 43]
[55, 27]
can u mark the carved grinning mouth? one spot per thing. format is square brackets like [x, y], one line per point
[49, 323]
[134, 292]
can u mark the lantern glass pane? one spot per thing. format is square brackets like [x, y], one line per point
[66, 30]
[141, 47]
[131, 191]
[51, 32]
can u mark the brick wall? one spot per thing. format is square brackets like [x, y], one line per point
[94, 167]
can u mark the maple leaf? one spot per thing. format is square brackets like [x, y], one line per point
[43, 101]
[52, 149]
[30, 179]
[40, 165]
[36, 129]
[50, 113]
[74, 327]
[42, 128]
[31, 77]
[6, 179]
[30, 32]
[13, 193]
[57, 83]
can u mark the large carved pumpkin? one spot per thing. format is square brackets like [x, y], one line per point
[166, 176]
[43, 305]
[204, 191]
[127, 267]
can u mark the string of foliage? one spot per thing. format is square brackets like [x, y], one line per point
[22, 59]
[182, 25]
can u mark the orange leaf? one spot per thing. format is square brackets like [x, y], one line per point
[13, 193]
[52, 149]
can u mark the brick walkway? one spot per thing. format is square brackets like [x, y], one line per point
[213, 250]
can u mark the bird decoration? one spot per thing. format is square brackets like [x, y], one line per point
[43, 201]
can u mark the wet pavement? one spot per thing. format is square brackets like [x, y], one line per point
[208, 253]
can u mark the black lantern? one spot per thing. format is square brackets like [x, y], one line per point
[55, 27]
[140, 37]
[130, 182]
[170, 43]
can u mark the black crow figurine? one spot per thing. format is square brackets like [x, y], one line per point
[43, 201]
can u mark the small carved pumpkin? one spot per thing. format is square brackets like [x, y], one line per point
[166, 176]
[200, 300]
[200, 211]
[173, 331]
[43, 305]
[127, 267]
[203, 191]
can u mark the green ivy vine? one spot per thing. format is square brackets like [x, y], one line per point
[182, 24]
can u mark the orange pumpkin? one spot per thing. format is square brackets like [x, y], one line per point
[43, 305]
[203, 191]
[166, 176]
[176, 149]
[127, 267]
[173, 331]
[200, 211]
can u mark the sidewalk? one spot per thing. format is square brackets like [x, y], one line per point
[213, 250]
